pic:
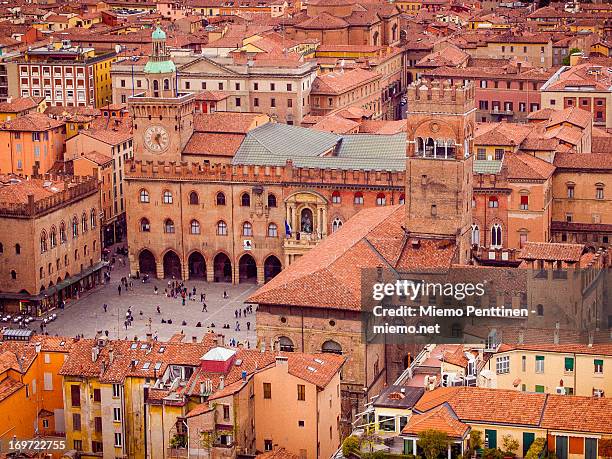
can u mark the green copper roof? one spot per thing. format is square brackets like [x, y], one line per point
[160, 67]
[158, 34]
[487, 167]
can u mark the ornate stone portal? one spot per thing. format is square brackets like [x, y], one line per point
[307, 220]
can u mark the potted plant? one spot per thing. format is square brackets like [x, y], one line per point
[510, 445]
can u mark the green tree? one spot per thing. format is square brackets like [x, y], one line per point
[433, 443]
[510, 445]
[566, 59]
[350, 445]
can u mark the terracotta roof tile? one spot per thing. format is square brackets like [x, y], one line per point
[20, 104]
[551, 251]
[279, 453]
[525, 166]
[508, 407]
[31, 122]
[8, 387]
[214, 144]
[226, 122]
[338, 82]
[578, 414]
[441, 418]
[598, 161]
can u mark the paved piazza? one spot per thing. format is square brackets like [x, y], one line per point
[86, 316]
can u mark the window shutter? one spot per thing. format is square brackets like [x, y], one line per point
[569, 363]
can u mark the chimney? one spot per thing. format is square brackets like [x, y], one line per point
[575, 59]
[521, 336]
[591, 338]
[282, 360]
[556, 336]
[94, 353]
[111, 356]
[221, 382]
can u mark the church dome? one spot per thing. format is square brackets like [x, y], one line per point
[158, 34]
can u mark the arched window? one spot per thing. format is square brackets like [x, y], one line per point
[271, 200]
[156, 87]
[83, 223]
[475, 235]
[493, 202]
[272, 230]
[402, 198]
[245, 200]
[336, 224]
[92, 218]
[62, 232]
[168, 226]
[195, 227]
[144, 196]
[496, 236]
[358, 199]
[1, 248]
[167, 197]
[540, 310]
[336, 199]
[221, 228]
[145, 226]
[43, 242]
[166, 84]
[13, 274]
[332, 347]
[220, 199]
[75, 227]
[194, 199]
[381, 200]
[247, 229]
[17, 249]
[285, 344]
[53, 237]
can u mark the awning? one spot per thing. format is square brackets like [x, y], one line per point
[55, 288]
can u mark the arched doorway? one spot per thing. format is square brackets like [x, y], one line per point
[197, 266]
[146, 263]
[247, 269]
[272, 266]
[223, 268]
[172, 265]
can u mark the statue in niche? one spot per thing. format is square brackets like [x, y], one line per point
[306, 221]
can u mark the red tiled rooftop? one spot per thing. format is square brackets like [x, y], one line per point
[551, 251]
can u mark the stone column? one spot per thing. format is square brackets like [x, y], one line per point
[210, 271]
[448, 454]
[325, 223]
[159, 269]
[260, 274]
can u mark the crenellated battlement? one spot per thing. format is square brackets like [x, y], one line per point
[440, 96]
[288, 173]
[75, 188]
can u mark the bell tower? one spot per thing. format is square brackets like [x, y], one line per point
[440, 136]
[162, 115]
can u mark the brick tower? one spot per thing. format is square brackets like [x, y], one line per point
[163, 116]
[440, 133]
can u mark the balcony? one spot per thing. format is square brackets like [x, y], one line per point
[501, 112]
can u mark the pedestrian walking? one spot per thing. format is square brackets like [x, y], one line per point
[105, 306]
[126, 324]
[225, 294]
[119, 289]
[204, 307]
[248, 326]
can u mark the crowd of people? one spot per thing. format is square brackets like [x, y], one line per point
[177, 289]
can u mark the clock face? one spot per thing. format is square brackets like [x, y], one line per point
[156, 139]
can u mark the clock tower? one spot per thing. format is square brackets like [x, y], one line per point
[162, 115]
